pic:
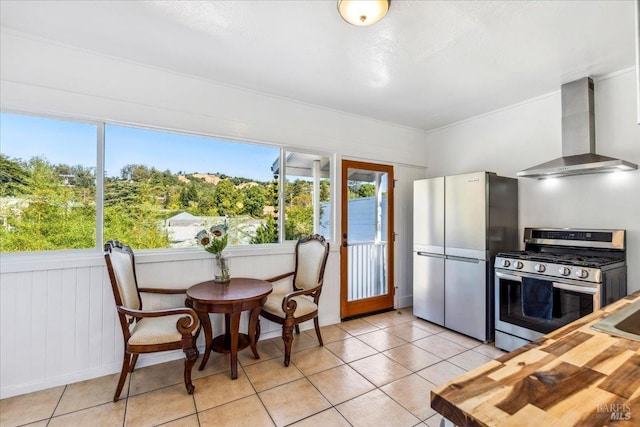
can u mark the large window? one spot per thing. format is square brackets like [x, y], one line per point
[47, 184]
[307, 195]
[160, 188]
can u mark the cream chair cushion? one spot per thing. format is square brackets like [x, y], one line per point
[123, 270]
[157, 330]
[310, 256]
[274, 305]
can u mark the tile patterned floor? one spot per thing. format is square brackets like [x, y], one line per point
[373, 371]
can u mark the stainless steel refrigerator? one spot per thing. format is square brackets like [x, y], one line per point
[460, 223]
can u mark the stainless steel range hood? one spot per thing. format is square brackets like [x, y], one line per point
[578, 138]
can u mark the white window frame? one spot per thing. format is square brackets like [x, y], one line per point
[42, 260]
[332, 197]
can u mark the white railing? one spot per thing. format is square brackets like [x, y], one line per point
[367, 269]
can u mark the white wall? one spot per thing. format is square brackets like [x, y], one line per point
[57, 319]
[59, 324]
[404, 232]
[527, 134]
[41, 76]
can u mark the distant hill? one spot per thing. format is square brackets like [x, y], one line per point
[207, 177]
[211, 179]
[215, 179]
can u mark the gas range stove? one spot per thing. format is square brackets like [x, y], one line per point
[584, 269]
[566, 253]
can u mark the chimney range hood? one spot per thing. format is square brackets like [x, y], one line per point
[578, 138]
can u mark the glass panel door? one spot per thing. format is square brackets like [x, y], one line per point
[367, 238]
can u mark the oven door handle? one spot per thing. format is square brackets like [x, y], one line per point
[565, 286]
[508, 276]
[575, 288]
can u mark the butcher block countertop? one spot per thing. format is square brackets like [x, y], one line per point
[574, 376]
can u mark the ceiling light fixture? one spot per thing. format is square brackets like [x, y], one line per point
[363, 12]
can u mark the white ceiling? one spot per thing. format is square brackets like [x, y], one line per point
[425, 65]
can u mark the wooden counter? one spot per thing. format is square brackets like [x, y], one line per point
[574, 376]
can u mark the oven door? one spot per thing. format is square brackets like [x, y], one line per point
[571, 301]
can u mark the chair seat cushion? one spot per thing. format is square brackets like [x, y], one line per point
[157, 330]
[274, 305]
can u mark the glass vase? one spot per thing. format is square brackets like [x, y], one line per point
[221, 270]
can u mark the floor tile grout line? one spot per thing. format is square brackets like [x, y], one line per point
[352, 398]
[400, 403]
[57, 404]
[79, 410]
[381, 325]
[126, 403]
[195, 406]
[375, 387]
[257, 395]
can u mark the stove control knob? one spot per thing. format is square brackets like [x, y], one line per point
[519, 265]
[565, 271]
[506, 263]
[582, 273]
[540, 268]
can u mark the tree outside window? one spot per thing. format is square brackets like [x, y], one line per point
[160, 188]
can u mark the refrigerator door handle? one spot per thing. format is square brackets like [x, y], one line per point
[463, 259]
[421, 253]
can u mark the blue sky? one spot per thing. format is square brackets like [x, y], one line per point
[74, 143]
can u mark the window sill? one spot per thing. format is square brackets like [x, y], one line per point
[56, 260]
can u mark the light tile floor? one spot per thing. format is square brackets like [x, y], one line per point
[374, 371]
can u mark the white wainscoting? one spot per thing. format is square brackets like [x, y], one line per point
[59, 325]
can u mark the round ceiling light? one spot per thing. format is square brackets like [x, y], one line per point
[363, 12]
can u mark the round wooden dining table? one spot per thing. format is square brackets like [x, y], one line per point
[231, 299]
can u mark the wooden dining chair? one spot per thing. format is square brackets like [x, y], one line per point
[148, 331]
[296, 301]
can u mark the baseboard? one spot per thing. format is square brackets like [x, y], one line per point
[65, 379]
[405, 301]
[144, 360]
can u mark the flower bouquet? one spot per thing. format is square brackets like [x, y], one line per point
[214, 241]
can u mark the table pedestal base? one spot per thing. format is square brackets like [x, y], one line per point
[222, 344]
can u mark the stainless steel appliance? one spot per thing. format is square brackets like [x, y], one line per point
[578, 138]
[460, 223]
[584, 269]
